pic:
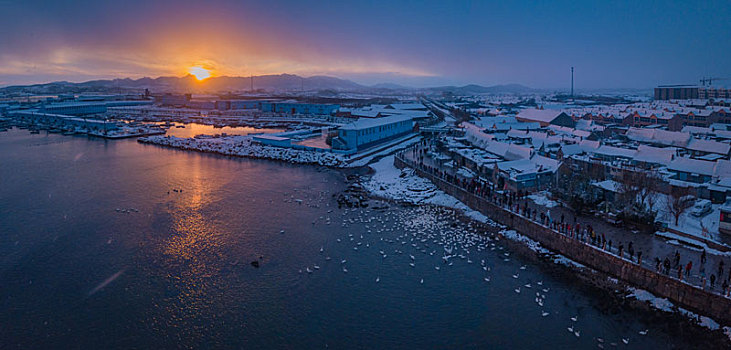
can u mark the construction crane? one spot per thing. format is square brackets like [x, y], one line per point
[710, 80]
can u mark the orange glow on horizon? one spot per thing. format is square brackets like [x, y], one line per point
[199, 72]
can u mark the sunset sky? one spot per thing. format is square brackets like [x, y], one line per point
[419, 43]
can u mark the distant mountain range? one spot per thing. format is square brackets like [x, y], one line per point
[281, 82]
[479, 89]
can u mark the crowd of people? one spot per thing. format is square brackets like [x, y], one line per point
[517, 202]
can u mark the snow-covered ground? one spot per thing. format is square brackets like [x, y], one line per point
[244, 147]
[405, 186]
[541, 198]
[705, 226]
[387, 148]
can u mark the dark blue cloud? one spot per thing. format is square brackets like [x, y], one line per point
[611, 43]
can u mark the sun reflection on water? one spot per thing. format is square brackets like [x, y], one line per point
[193, 251]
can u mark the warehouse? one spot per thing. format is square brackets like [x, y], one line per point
[366, 132]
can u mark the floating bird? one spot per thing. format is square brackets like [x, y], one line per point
[378, 279]
[644, 332]
[515, 276]
[625, 341]
[544, 314]
[517, 290]
[574, 318]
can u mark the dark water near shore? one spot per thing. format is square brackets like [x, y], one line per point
[98, 250]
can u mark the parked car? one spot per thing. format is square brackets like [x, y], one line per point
[701, 207]
[613, 219]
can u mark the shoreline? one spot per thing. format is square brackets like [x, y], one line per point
[618, 295]
[622, 294]
[242, 146]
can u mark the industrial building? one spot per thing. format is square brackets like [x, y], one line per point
[224, 105]
[367, 132]
[86, 108]
[64, 121]
[173, 100]
[299, 108]
[689, 92]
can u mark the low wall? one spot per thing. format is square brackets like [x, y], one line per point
[683, 294]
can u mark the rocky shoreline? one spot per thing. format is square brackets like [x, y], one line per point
[243, 146]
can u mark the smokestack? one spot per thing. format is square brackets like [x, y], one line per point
[572, 81]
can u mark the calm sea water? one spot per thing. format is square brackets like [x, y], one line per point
[99, 250]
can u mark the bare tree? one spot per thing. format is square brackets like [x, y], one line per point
[679, 199]
[649, 185]
[628, 190]
[638, 187]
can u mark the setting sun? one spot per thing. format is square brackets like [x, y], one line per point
[199, 73]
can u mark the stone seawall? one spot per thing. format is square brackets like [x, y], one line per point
[683, 294]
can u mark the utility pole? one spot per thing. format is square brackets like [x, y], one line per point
[252, 83]
[572, 81]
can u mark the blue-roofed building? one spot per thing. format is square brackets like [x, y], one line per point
[299, 108]
[74, 108]
[367, 132]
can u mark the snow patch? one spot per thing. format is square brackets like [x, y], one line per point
[541, 198]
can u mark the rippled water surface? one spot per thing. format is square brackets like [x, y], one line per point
[115, 244]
